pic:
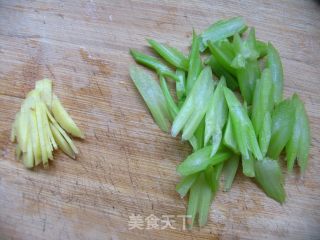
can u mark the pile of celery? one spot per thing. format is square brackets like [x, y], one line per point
[41, 126]
[239, 118]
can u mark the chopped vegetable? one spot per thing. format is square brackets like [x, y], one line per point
[275, 66]
[230, 168]
[171, 55]
[37, 132]
[195, 64]
[200, 160]
[242, 127]
[153, 63]
[221, 124]
[299, 144]
[282, 127]
[153, 97]
[195, 106]
[221, 30]
[216, 117]
[270, 178]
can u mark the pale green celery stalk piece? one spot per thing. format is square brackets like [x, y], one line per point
[220, 71]
[275, 66]
[153, 63]
[197, 140]
[62, 143]
[199, 202]
[229, 139]
[216, 117]
[173, 108]
[282, 127]
[204, 203]
[64, 119]
[181, 85]
[223, 59]
[170, 54]
[226, 46]
[44, 87]
[195, 106]
[35, 138]
[244, 49]
[270, 178]
[242, 127]
[299, 144]
[194, 199]
[200, 160]
[185, 184]
[248, 165]
[221, 30]
[195, 63]
[305, 140]
[212, 174]
[199, 134]
[153, 97]
[195, 124]
[262, 48]
[262, 100]
[230, 168]
[265, 134]
[194, 143]
[247, 78]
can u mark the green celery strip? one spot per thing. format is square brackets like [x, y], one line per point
[199, 201]
[173, 108]
[199, 134]
[216, 117]
[265, 134]
[222, 58]
[170, 54]
[275, 66]
[153, 96]
[221, 30]
[200, 160]
[195, 64]
[181, 86]
[230, 168]
[229, 139]
[194, 199]
[153, 63]
[262, 100]
[244, 49]
[185, 184]
[212, 174]
[262, 48]
[282, 127]
[243, 131]
[299, 143]
[247, 78]
[195, 106]
[220, 71]
[270, 178]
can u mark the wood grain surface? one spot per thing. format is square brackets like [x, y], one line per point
[126, 164]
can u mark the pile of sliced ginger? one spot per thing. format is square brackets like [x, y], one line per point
[42, 126]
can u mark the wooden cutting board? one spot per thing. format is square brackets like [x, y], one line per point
[126, 164]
